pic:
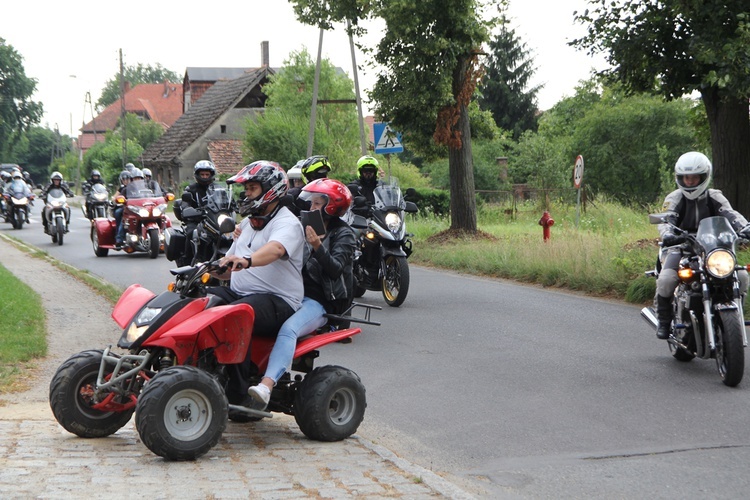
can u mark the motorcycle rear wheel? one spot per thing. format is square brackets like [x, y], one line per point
[730, 353]
[98, 251]
[181, 413]
[60, 225]
[395, 284]
[330, 404]
[71, 398]
[153, 243]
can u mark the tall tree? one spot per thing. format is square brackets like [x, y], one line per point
[139, 73]
[429, 55]
[17, 111]
[505, 89]
[681, 46]
[281, 132]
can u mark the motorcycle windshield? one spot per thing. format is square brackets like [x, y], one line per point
[17, 189]
[98, 189]
[55, 194]
[138, 189]
[219, 197]
[388, 196]
[716, 232]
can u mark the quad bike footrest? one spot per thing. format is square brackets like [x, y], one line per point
[250, 411]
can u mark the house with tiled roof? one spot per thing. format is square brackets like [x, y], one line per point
[212, 128]
[158, 102]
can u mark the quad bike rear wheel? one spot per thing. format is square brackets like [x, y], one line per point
[181, 413]
[71, 397]
[330, 404]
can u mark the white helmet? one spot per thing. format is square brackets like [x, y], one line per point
[294, 173]
[693, 163]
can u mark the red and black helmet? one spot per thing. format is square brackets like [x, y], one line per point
[273, 182]
[337, 195]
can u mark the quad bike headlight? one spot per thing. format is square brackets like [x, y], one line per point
[720, 263]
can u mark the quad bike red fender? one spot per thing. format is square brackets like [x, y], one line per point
[130, 303]
[262, 345]
[105, 231]
[226, 329]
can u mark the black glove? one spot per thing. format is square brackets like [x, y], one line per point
[670, 239]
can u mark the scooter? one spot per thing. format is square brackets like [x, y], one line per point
[173, 372]
[144, 219]
[57, 213]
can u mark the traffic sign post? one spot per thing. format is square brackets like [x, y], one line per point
[578, 182]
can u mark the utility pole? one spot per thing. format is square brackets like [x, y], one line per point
[122, 113]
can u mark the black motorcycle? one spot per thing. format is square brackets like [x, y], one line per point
[207, 242]
[96, 201]
[380, 262]
[709, 321]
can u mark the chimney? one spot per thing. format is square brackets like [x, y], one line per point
[264, 53]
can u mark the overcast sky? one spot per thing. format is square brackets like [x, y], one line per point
[72, 47]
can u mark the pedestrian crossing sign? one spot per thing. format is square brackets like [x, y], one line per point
[386, 140]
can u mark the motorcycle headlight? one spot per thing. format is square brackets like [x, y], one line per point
[157, 211]
[56, 203]
[720, 263]
[142, 212]
[393, 221]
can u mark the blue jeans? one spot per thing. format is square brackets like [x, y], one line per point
[308, 318]
[119, 229]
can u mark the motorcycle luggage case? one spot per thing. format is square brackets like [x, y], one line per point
[174, 241]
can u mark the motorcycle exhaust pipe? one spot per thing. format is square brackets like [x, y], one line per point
[647, 313]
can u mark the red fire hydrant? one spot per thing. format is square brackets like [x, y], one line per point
[546, 222]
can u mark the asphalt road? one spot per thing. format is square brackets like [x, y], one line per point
[520, 391]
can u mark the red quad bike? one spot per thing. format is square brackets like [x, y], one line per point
[173, 373]
[144, 218]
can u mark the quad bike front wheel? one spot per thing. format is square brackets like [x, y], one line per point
[396, 280]
[181, 413]
[330, 404]
[71, 397]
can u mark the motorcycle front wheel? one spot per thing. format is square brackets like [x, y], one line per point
[60, 225]
[395, 283]
[181, 413]
[730, 353]
[153, 243]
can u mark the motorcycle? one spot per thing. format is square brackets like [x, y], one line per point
[144, 219]
[709, 320]
[207, 242]
[57, 212]
[96, 201]
[17, 204]
[173, 372]
[380, 263]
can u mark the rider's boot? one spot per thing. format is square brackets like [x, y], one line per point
[665, 315]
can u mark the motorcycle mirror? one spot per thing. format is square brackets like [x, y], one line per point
[657, 218]
[411, 192]
[411, 207]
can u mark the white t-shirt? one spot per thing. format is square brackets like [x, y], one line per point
[282, 277]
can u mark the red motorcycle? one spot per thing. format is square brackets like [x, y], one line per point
[144, 220]
[173, 373]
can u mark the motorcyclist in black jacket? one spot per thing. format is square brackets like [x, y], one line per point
[196, 196]
[687, 206]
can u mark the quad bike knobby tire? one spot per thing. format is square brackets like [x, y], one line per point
[181, 413]
[330, 404]
[71, 397]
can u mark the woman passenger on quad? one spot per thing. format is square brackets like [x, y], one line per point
[265, 262]
[327, 278]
